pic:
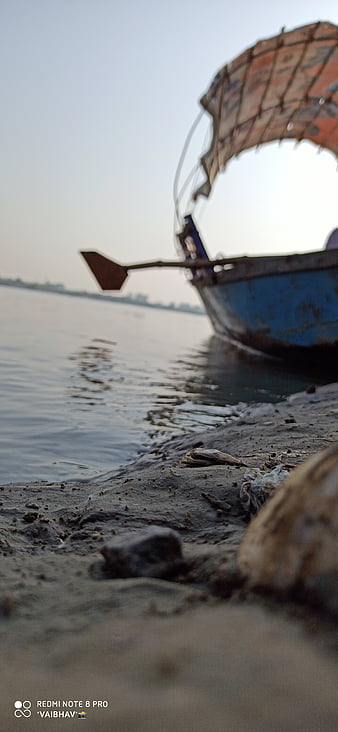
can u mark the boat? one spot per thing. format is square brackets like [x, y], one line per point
[284, 306]
[285, 87]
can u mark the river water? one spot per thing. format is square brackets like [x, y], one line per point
[88, 385]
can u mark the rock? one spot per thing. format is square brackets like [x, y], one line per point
[155, 552]
[291, 546]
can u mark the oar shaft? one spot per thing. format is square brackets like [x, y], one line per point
[184, 264]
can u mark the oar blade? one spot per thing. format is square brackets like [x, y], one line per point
[110, 275]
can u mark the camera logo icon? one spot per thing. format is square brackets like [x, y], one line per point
[22, 708]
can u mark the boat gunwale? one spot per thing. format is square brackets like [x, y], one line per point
[268, 266]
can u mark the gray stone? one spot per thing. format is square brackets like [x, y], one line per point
[155, 552]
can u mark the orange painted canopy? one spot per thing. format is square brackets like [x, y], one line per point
[285, 87]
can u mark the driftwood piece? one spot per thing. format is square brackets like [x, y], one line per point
[208, 456]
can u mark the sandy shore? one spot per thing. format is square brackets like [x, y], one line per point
[195, 651]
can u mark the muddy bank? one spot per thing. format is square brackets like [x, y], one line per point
[194, 649]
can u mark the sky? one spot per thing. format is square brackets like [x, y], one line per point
[98, 97]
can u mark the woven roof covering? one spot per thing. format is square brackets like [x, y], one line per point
[285, 87]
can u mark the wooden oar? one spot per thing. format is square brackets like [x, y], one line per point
[111, 275]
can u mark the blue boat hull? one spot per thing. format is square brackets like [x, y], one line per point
[287, 314]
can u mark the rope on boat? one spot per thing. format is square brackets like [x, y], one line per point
[176, 192]
[190, 180]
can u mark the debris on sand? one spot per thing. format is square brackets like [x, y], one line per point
[204, 456]
[258, 486]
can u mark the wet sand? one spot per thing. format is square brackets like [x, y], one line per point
[195, 651]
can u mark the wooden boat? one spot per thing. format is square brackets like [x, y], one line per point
[285, 87]
[285, 306]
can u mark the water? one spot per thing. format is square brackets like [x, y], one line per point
[86, 386]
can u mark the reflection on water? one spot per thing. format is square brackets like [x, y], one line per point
[222, 372]
[198, 389]
[94, 374]
[202, 385]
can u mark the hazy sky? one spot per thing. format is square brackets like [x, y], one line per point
[97, 99]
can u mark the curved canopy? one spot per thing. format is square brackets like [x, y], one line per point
[285, 87]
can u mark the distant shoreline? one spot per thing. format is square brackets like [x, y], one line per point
[139, 300]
